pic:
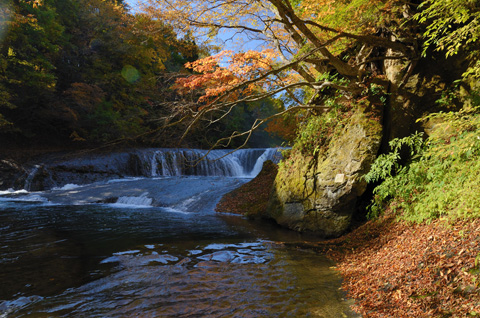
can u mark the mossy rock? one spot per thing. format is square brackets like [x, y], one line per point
[318, 193]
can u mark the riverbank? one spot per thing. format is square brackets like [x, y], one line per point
[251, 199]
[397, 269]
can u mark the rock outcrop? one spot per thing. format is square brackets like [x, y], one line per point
[12, 174]
[319, 193]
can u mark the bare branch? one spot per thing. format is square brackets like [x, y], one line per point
[367, 39]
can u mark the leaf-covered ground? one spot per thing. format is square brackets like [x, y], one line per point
[396, 269]
[252, 198]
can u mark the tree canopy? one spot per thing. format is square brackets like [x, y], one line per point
[95, 71]
[85, 69]
[305, 49]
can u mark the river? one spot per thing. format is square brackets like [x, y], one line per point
[144, 241]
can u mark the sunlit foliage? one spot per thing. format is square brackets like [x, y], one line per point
[453, 27]
[441, 180]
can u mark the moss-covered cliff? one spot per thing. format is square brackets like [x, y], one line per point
[318, 193]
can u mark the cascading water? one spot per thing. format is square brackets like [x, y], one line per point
[245, 163]
[135, 234]
[142, 200]
[269, 154]
[177, 162]
[30, 177]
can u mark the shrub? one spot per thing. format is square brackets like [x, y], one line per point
[441, 177]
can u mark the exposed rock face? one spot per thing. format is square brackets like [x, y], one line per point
[10, 174]
[318, 194]
[415, 87]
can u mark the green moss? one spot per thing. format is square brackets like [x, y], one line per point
[307, 196]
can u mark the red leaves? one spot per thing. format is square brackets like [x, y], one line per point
[399, 270]
[217, 74]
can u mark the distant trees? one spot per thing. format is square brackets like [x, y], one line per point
[84, 69]
[90, 70]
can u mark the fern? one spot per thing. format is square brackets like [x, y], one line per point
[441, 178]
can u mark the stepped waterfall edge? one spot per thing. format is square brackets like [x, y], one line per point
[148, 163]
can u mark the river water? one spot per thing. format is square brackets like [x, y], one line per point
[152, 246]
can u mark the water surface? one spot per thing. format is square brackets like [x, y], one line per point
[153, 247]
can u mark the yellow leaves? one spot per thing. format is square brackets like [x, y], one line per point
[34, 3]
[194, 15]
[37, 3]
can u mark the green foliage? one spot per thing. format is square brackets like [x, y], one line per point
[452, 27]
[441, 179]
[387, 165]
[316, 130]
[314, 133]
[353, 16]
[104, 123]
[69, 66]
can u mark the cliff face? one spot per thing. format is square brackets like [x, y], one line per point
[319, 193]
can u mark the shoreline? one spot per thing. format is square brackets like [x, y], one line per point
[395, 269]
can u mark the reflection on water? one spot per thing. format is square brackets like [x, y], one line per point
[99, 260]
[241, 280]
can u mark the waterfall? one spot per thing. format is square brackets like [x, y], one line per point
[30, 177]
[269, 154]
[181, 162]
[166, 162]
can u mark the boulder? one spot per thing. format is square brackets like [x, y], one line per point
[12, 174]
[318, 193]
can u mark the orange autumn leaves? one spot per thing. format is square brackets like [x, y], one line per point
[214, 79]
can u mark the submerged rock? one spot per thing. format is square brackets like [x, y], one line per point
[319, 193]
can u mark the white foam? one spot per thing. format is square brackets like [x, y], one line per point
[111, 259]
[169, 209]
[11, 191]
[69, 186]
[124, 180]
[142, 201]
[127, 252]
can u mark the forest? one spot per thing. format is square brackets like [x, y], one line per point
[303, 74]
[89, 73]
